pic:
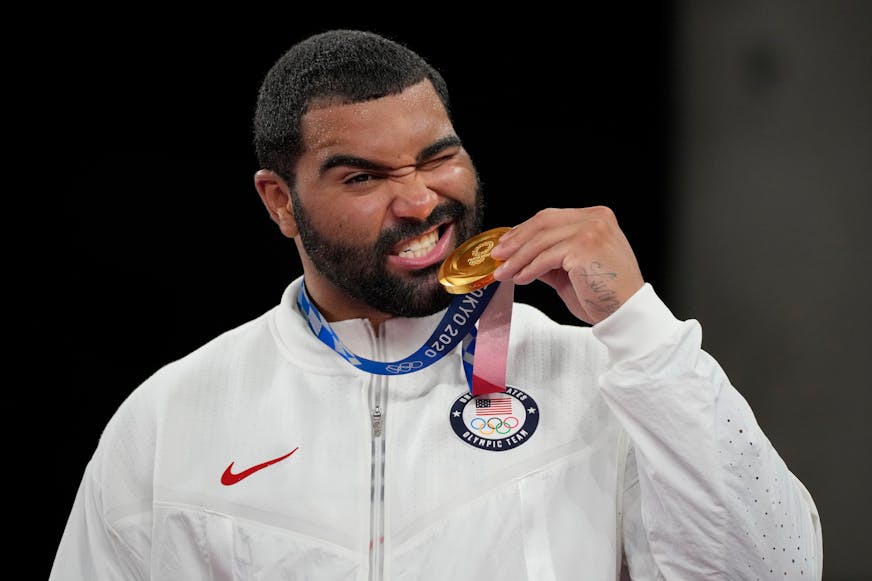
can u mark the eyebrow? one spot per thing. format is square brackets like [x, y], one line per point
[343, 160]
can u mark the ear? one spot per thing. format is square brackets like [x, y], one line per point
[276, 196]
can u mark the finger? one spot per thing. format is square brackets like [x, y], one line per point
[532, 252]
[543, 221]
[537, 259]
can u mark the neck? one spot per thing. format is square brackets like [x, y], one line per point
[335, 305]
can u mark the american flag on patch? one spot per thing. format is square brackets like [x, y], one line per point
[498, 406]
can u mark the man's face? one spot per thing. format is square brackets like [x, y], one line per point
[383, 194]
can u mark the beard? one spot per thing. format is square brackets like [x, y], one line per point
[361, 271]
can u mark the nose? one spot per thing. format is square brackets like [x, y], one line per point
[413, 198]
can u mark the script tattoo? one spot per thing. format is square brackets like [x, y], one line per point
[598, 280]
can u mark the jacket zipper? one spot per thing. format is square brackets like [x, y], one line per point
[376, 542]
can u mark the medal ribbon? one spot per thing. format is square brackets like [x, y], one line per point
[456, 326]
[489, 365]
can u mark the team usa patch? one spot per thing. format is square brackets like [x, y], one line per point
[495, 421]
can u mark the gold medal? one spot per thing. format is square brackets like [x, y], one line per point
[470, 266]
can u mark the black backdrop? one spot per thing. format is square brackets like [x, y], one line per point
[165, 242]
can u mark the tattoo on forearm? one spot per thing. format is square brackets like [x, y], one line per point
[598, 281]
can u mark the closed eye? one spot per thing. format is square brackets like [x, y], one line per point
[432, 164]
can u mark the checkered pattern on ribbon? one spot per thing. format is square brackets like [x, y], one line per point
[467, 308]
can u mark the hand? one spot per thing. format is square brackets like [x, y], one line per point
[580, 252]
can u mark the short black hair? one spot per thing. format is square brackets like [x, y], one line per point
[336, 66]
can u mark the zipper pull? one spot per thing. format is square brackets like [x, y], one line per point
[377, 421]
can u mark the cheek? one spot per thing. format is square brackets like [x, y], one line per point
[456, 181]
[358, 217]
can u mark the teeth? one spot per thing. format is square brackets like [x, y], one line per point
[420, 246]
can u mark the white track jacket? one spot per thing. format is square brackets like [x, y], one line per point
[263, 455]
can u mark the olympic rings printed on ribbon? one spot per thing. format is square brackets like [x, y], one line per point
[492, 424]
[404, 366]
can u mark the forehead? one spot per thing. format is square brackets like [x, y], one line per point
[387, 129]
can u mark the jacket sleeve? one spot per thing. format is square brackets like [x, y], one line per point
[707, 495]
[90, 550]
[108, 531]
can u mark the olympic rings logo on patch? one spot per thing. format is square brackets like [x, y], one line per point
[404, 367]
[494, 425]
[495, 422]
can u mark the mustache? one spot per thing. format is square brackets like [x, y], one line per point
[451, 210]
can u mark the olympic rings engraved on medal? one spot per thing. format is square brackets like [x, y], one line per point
[404, 366]
[493, 424]
[480, 253]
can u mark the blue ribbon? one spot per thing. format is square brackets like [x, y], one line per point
[456, 326]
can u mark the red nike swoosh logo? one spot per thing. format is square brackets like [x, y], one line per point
[229, 478]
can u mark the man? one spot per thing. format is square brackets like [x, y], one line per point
[462, 437]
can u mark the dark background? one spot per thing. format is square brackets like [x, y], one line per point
[164, 242]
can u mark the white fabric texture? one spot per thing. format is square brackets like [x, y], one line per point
[644, 451]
